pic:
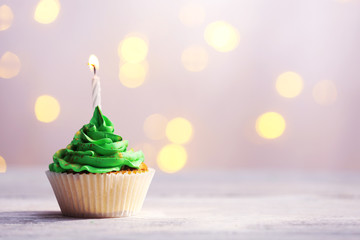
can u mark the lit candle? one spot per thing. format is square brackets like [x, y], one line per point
[94, 66]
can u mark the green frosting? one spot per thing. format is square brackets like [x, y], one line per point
[96, 149]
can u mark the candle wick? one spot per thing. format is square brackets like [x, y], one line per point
[94, 68]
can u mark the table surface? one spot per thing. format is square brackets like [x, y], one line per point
[196, 205]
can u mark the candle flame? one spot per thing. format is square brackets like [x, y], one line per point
[93, 63]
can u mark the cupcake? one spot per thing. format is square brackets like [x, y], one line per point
[95, 176]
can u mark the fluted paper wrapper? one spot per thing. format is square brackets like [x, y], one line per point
[100, 195]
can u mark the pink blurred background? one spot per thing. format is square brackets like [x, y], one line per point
[319, 40]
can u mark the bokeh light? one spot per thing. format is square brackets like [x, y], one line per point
[47, 108]
[192, 14]
[2, 165]
[222, 36]
[9, 65]
[172, 158]
[47, 11]
[325, 92]
[289, 84]
[133, 75]
[133, 49]
[179, 130]
[155, 126]
[6, 17]
[195, 58]
[270, 125]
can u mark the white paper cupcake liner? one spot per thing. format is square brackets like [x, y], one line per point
[100, 195]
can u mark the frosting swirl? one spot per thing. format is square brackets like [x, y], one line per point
[96, 149]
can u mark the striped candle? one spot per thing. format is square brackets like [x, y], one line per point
[96, 96]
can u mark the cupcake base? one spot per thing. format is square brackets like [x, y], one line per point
[106, 195]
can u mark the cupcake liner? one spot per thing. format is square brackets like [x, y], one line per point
[106, 195]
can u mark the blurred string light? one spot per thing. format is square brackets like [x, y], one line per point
[133, 75]
[172, 158]
[2, 165]
[47, 108]
[47, 11]
[222, 36]
[325, 92]
[179, 130]
[192, 15]
[6, 17]
[270, 125]
[289, 84]
[133, 51]
[9, 65]
[155, 126]
[195, 58]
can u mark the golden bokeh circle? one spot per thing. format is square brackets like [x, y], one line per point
[10, 65]
[155, 126]
[179, 130]
[289, 84]
[6, 17]
[133, 75]
[325, 92]
[172, 158]
[2, 165]
[195, 58]
[192, 14]
[47, 108]
[270, 125]
[47, 11]
[222, 36]
[133, 49]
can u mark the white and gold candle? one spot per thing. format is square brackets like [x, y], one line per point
[94, 67]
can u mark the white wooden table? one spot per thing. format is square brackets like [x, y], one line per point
[192, 205]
